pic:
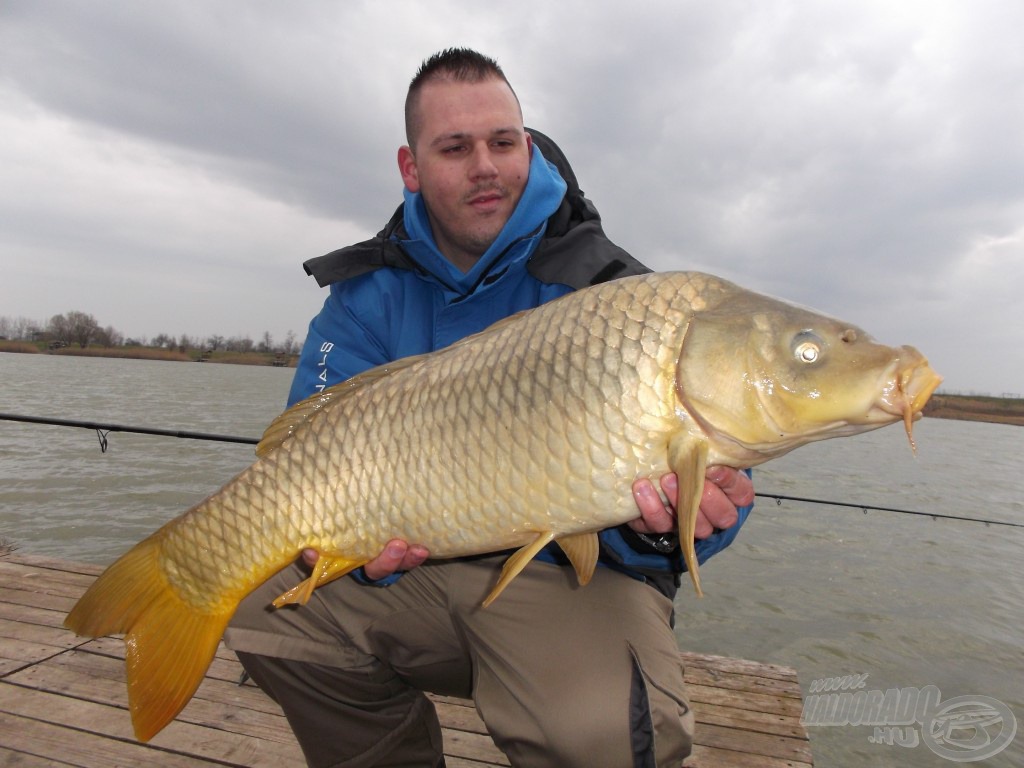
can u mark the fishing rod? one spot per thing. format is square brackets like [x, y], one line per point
[865, 508]
[102, 430]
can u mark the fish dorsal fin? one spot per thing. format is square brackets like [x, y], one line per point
[284, 426]
[582, 550]
[688, 458]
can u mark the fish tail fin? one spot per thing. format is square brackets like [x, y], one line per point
[169, 644]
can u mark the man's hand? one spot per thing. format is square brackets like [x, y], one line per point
[725, 489]
[397, 556]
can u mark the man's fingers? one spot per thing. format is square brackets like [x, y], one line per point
[655, 517]
[734, 483]
[386, 562]
[716, 511]
[397, 556]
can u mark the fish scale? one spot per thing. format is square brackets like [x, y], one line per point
[531, 431]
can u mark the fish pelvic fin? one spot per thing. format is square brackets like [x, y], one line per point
[326, 569]
[515, 564]
[688, 458]
[582, 550]
[169, 643]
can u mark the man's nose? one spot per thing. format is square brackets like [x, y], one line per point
[483, 164]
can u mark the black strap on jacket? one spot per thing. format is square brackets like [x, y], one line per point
[574, 250]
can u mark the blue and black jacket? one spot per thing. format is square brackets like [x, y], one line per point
[395, 295]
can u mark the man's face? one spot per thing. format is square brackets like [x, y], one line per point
[471, 163]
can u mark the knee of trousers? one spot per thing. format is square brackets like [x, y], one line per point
[344, 718]
[650, 729]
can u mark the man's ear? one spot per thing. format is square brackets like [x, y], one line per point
[529, 142]
[407, 167]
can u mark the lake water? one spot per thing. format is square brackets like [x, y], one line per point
[907, 601]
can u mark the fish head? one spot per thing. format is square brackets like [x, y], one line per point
[762, 376]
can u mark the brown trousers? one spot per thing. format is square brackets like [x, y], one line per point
[562, 675]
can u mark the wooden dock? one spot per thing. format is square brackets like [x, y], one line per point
[63, 700]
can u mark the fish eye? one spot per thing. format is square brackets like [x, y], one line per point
[807, 347]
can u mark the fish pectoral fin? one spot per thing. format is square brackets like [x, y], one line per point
[688, 458]
[326, 569]
[517, 562]
[582, 550]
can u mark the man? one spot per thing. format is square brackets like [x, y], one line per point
[562, 676]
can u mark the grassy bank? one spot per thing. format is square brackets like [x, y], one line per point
[151, 353]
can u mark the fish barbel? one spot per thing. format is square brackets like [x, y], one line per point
[530, 432]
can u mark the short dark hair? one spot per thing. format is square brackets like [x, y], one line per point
[459, 64]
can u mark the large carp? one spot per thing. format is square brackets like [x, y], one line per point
[530, 432]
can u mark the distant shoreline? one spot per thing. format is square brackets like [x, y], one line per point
[152, 353]
[994, 410]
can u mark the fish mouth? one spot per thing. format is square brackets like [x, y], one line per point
[911, 381]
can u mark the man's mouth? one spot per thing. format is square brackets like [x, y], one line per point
[486, 200]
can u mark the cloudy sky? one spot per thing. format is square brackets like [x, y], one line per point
[166, 167]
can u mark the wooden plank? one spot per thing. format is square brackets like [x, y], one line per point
[762, 722]
[459, 714]
[754, 743]
[14, 575]
[92, 678]
[711, 757]
[730, 665]
[35, 598]
[742, 682]
[756, 702]
[81, 748]
[27, 652]
[476, 746]
[11, 759]
[42, 562]
[185, 742]
[30, 614]
[58, 570]
[13, 629]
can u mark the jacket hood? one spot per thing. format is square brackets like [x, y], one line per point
[541, 197]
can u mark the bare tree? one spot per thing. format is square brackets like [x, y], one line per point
[290, 347]
[74, 328]
[239, 344]
[109, 337]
